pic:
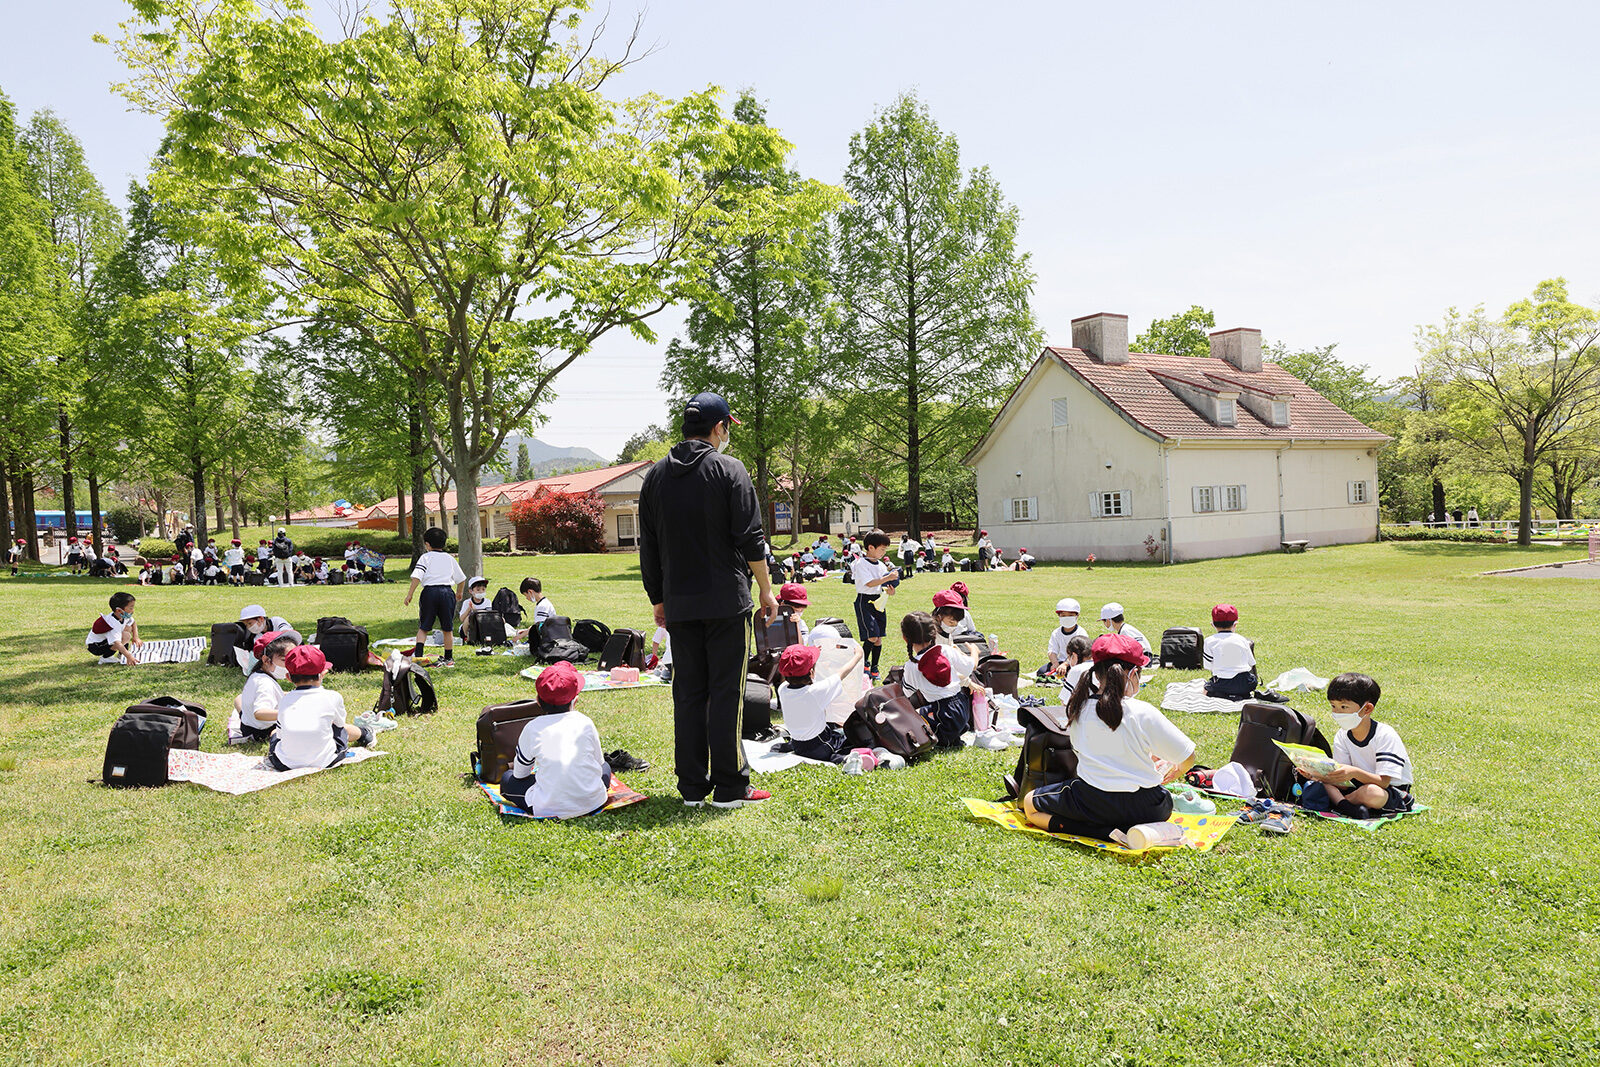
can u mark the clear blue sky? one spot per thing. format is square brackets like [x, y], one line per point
[1330, 173]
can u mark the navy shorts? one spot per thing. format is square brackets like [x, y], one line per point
[437, 608]
[869, 617]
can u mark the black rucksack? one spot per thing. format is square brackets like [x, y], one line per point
[591, 634]
[555, 643]
[506, 603]
[1047, 756]
[407, 689]
[838, 624]
[343, 643]
[1261, 724]
[225, 637]
[282, 547]
[136, 751]
[624, 648]
[485, 628]
[1182, 649]
[756, 722]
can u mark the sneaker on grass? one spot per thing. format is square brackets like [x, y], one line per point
[375, 721]
[751, 796]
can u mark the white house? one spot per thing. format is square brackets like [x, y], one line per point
[1133, 456]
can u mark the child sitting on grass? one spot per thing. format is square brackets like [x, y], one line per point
[115, 634]
[1067, 627]
[1076, 664]
[312, 731]
[804, 700]
[1374, 773]
[258, 703]
[1112, 619]
[559, 771]
[928, 674]
[1230, 656]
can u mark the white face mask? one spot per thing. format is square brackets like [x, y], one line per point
[256, 627]
[1347, 720]
[1068, 623]
[477, 598]
[948, 627]
[279, 672]
[727, 439]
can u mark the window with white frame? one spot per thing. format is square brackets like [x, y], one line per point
[1233, 498]
[624, 526]
[1108, 503]
[836, 515]
[1058, 411]
[1024, 508]
[855, 512]
[1205, 498]
[1358, 492]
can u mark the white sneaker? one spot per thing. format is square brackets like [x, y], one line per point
[377, 722]
[993, 741]
[852, 764]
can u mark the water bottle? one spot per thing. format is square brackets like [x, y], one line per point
[980, 710]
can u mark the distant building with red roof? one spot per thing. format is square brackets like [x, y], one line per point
[1135, 455]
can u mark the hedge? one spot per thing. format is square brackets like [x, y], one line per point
[324, 541]
[1427, 533]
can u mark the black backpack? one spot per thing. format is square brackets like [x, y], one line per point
[506, 603]
[838, 624]
[136, 751]
[1182, 649]
[407, 689]
[1047, 756]
[756, 722]
[1261, 724]
[343, 643]
[282, 547]
[555, 642]
[625, 648]
[225, 637]
[591, 634]
[485, 628]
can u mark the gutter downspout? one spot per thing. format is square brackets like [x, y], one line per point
[1278, 456]
[1166, 489]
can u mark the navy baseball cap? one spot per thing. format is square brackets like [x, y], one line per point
[707, 409]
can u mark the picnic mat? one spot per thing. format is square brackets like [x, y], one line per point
[1200, 831]
[180, 650]
[763, 760]
[1366, 824]
[237, 773]
[617, 796]
[601, 679]
[1191, 697]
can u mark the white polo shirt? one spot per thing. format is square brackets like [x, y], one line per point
[438, 568]
[1059, 639]
[1228, 654]
[1122, 760]
[307, 719]
[1382, 753]
[106, 628]
[805, 710]
[864, 571]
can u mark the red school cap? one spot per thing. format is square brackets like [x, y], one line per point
[1119, 647]
[266, 639]
[794, 593]
[947, 598]
[304, 661]
[1224, 613]
[798, 661]
[558, 684]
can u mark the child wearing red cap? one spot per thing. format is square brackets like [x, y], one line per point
[312, 731]
[932, 682]
[792, 602]
[258, 704]
[1230, 656]
[15, 553]
[233, 559]
[559, 771]
[804, 700]
[1127, 750]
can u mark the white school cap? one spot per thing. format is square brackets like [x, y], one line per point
[1066, 603]
[477, 579]
[818, 634]
[251, 611]
[1233, 779]
[1110, 611]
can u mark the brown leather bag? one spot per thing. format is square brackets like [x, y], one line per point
[892, 721]
[998, 674]
[499, 728]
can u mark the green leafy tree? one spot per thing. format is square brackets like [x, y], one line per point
[1188, 333]
[935, 324]
[635, 447]
[524, 465]
[454, 171]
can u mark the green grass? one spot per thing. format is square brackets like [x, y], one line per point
[382, 914]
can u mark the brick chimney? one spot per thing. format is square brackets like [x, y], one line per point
[1240, 346]
[1105, 337]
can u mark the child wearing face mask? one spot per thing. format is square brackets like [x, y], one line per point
[258, 703]
[931, 681]
[477, 599]
[256, 621]
[1067, 627]
[1373, 777]
[115, 635]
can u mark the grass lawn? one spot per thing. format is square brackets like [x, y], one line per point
[383, 914]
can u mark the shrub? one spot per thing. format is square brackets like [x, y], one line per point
[154, 548]
[497, 544]
[561, 522]
[123, 522]
[1428, 533]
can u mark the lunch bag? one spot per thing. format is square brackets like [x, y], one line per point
[1182, 649]
[591, 634]
[1261, 724]
[499, 728]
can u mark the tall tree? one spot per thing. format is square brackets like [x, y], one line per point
[1527, 383]
[524, 469]
[1188, 333]
[933, 293]
[634, 448]
[455, 169]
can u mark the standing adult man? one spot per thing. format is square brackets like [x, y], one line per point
[283, 557]
[700, 540]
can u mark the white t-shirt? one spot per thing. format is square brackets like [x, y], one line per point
[15, 552]
[1122, 760]
[438, 568]
[663, 639]
[1074, 675]
[805, 710]
[542, 610]
[106, 628]
[261, 693]
[864, 571]
[234, 557]
[1229, 654]
[1382, 753]
[263, 552]
[563, 754]
[1129, 630]
[1058, 641]
[468, 606]
[307, 719]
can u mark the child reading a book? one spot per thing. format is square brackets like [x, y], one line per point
[1373, 773]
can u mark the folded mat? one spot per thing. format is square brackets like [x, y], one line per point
[763, 760]
[237, 773]
[617, 796]
[602, 680]
[179, 650]
[1200, 831]
[1191, 697]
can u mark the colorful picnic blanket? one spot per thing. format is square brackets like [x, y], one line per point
[1191, 697]
[179, 650]
[1365, 824]
[1200, 832]
[617, 796]
[601, 680]
[236, 773]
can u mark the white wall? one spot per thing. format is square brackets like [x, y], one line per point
[1061, 466]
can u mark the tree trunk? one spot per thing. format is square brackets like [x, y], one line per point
[400, 511]
[5, 504]
[233, 508]
[419, 487]
[286, 498]
[30, 518]
[469, 536]
[913, 455]
[95, 537]
[1438, 500]
[161, 514]
[1525, 507]
[198, 478]
[216, 492]
[69, 500]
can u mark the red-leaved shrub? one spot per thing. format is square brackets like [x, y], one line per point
[560, 522]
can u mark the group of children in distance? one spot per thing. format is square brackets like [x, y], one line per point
[279, 559]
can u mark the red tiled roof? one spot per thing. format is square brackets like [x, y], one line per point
[1138, 394]
[579, 482]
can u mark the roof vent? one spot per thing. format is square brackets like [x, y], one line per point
[1104, 336]
[1240, 346]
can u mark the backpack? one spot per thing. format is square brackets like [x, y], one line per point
[251, 578]
[756, 722]
[893, 722]
[591, 634]
[625, 648]
[485, 628]
[1047, 756]
[998, 674]
[838, 624]
[1182, 649]
[140, 740]
[555, 642]
[505, 602]
[343, 643]
[499, 728]
[777, 635]
[225, 637]
[1259, 725]
[282, 548]
[407, 689]
[334, 578]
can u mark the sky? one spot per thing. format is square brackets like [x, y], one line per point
[1336, 173]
